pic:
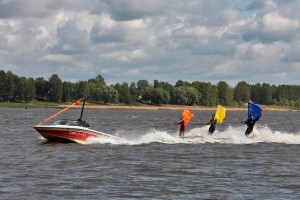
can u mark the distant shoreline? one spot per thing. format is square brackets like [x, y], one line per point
[133, 107]
[170, 107]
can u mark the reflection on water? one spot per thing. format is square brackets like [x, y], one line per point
[153, 162]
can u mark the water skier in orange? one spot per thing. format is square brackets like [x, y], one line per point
[182, 126]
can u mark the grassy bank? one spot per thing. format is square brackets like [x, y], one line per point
[28, 104]
[38, 104]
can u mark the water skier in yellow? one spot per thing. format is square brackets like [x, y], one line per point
[218, 117]
[212, 124]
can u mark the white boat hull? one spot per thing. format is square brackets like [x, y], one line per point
[65, 133]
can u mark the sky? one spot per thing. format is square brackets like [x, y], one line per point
[257, 41]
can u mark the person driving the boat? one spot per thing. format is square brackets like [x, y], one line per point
[86, 123]
[83, 123]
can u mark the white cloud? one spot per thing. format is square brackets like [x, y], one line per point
[133, 72]
[129, 10]
[250, 51]
[42, 33]
[152, 39]
[199, 31]
[291, 55]
[56, 58]
[138, 54]
[274, 22]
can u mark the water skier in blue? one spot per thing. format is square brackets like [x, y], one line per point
[250, 124]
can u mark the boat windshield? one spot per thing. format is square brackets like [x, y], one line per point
[69, 122]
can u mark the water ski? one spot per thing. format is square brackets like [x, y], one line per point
[191, 137]
[254, 134]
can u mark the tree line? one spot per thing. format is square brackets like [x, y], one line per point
[14, 88]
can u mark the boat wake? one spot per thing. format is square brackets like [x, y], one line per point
[232, 135]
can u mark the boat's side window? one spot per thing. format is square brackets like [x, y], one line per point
[56, 122]
[63, 122]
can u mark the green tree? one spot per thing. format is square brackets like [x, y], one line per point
[224, 93]
[178, 96]
[42, 89]
[185, 95]
[159, 96]
[108, 94]
[192, 94]
[20, 89]
[180, 83]
[167, 87]
[92, 91]
[208, 92]
[266, 94]
[99, 80]
[32, 90]
[242, 92]
[213, 96]
[124, 93]
[82, 89]
[134, 93]
[288, 92]
[66, 91]
[93, 87]
[155, 83]
[25, 89]
[156, 96]
[142, 86]
[256, 93]
[2, 84]
[164, 85]
[55, 88]
[9, 88]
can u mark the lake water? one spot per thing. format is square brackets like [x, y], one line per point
[153, 163]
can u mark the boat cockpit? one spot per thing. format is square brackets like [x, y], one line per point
[69, 122]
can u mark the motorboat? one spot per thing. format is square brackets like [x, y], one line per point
[66, 130]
